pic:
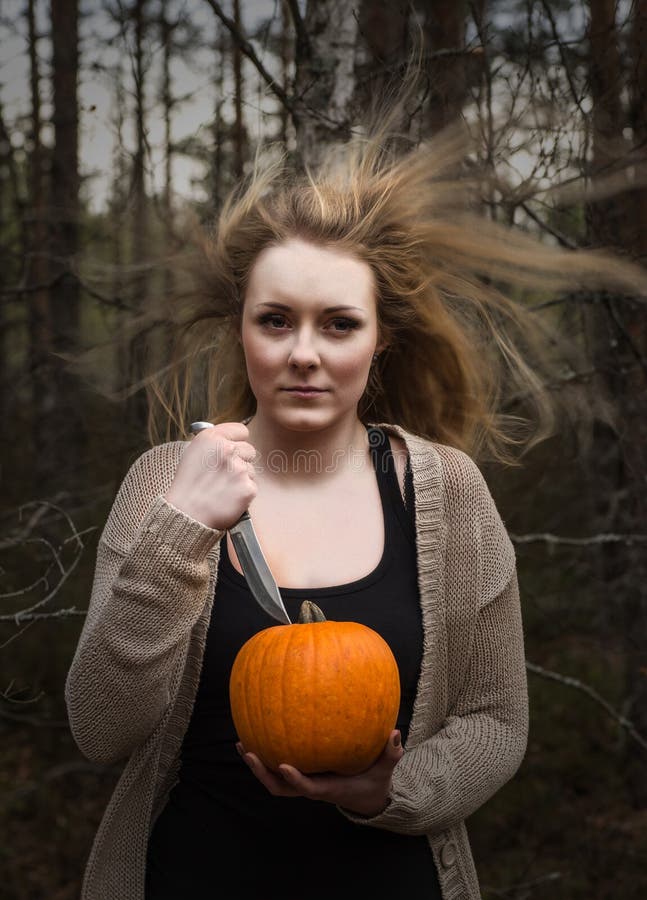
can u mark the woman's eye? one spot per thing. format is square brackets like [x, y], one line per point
[272, 319]
[277, 321]
[343, 325]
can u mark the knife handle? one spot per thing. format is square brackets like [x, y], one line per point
[196, 427]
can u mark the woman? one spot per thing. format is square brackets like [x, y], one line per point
[359, 358]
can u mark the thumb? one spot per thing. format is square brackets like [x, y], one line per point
[393, 750]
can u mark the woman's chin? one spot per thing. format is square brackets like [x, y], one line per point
[302, 418]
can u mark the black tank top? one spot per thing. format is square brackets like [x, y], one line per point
[215, 789]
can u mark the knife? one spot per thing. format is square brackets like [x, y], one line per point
[253, 563]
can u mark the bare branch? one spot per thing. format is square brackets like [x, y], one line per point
[19, 290]
[525, 887]
[64, 569]
[62, 770]
[303, 41]
[615, 318]
[593, 540]
[56, 614]
[593, 694]
[247, 49]
[33, 720]
[560, 238]
[567, 71]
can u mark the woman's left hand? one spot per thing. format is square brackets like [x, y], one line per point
[365, 794]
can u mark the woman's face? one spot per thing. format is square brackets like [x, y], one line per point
[309, 321]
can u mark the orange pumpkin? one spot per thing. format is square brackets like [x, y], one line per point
[320, 695]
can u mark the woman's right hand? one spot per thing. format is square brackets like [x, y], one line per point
[214, 482]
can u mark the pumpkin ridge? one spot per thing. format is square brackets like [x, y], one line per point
[340, 655]
[245, 725]
[313, 675]
[371, 674]
[265, 736]
[287, 742]
[247, 674]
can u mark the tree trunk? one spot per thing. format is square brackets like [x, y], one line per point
[616, 332]
[36, 275]
[140, 223]
[444, 29]
[15, 247]
[382, 50]
[167, 29]
[608, 220]
[324, 77]
[136, 406]
[287, 59]
[634, 444]
[64, 221]
[118, 197]
[638, 117]
[218, 130]
[239, 125]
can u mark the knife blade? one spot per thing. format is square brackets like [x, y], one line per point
[252, 561]
[256, 570]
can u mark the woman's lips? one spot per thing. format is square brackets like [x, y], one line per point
[305, 392]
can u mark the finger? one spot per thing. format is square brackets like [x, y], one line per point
[297, 780]
[245, 451]
[290, 774]
[197, 427]
[392, 752]
[273, 782]
[233, 431]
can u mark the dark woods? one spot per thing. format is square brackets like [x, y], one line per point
[124, 122]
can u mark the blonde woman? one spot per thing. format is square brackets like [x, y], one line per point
[353, 346]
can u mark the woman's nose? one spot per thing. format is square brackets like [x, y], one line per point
[304, 351]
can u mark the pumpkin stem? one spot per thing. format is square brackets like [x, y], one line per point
[310, 612]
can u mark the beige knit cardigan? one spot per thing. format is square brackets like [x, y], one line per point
[131, 685]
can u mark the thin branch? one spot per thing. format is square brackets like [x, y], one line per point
[594, 539]
[593, 694]
[513, 889]
[247, 49]
[23, 615]
[33, 720]
[62, 770]
[615, 318]
[559, 237]
[57, 614]
[27, 615]
[19, 290]
[569, 76]
[303, 40]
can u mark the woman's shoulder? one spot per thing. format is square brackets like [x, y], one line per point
[440, 469]
[147, 477]
[424, 452]
[450, 488]
[155, 463]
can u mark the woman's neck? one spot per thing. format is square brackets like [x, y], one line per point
[288, 455]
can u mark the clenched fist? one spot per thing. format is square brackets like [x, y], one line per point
[214, 482]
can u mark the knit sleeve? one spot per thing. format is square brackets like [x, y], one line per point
[482, 741]
[150, 582]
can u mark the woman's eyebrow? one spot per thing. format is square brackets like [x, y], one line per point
[328, 309]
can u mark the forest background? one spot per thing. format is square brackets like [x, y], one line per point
[119, 120]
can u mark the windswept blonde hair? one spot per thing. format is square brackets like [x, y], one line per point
[467, 361]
